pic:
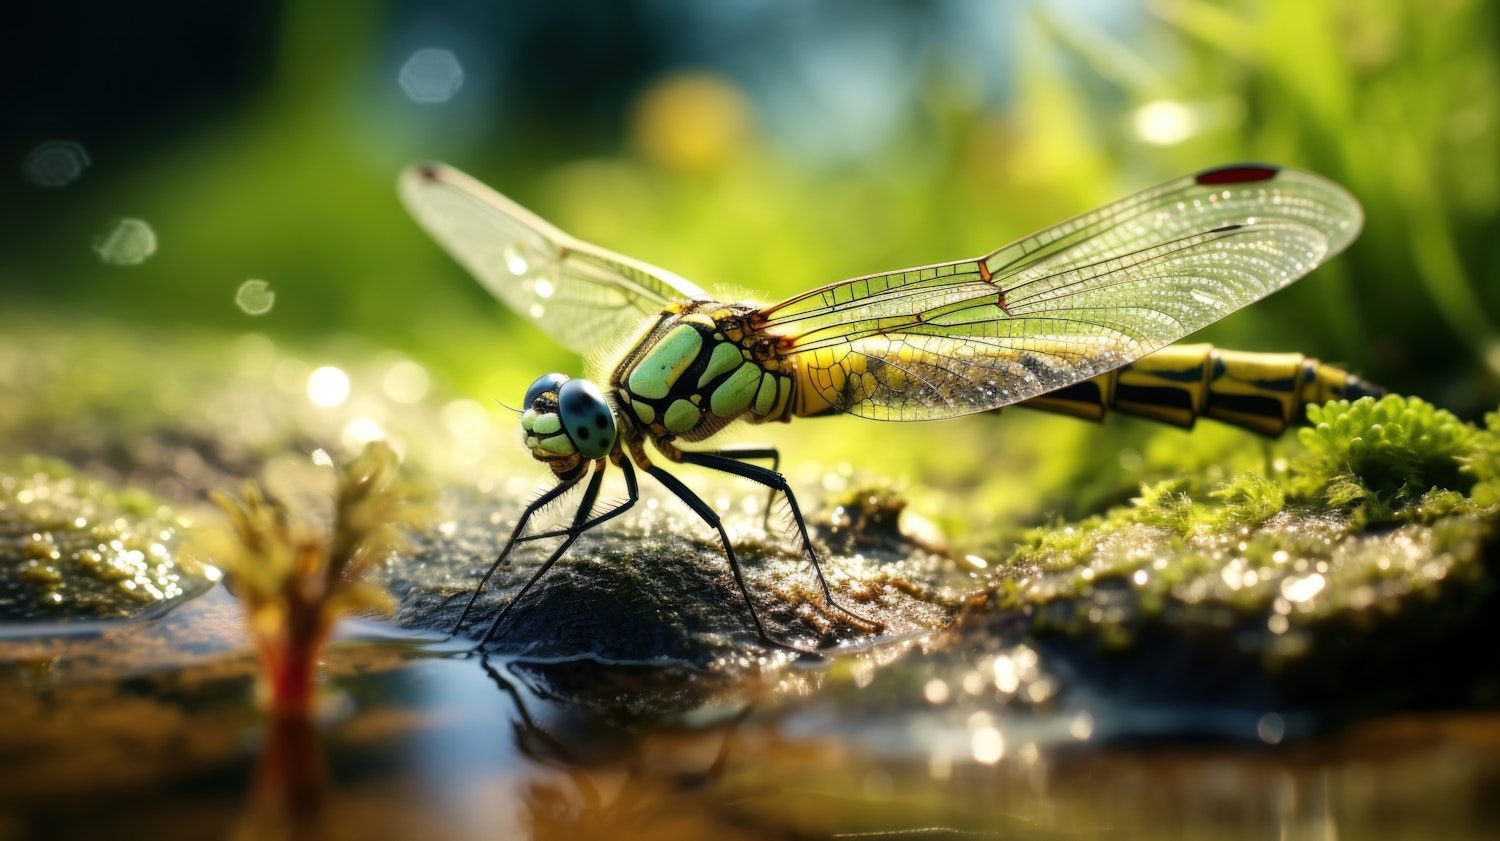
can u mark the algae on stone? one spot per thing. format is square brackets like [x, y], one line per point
[72, 548]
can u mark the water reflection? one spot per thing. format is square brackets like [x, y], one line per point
[436, 742]
[607, 785]
[289, 795]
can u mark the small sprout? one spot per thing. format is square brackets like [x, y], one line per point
[296, 577]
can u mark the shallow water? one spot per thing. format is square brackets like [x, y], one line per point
[111, 733]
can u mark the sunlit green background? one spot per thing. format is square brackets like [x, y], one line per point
[756, 147]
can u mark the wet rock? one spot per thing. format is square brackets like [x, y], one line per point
[654, 586]
[1356, 579]
[74, 548]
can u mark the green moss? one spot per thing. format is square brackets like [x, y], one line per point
[1385, 505]
[1376, 458]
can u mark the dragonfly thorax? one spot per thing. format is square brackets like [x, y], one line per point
[697, 369]
[566, 421]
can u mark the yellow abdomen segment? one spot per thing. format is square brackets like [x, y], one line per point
[1262, 392]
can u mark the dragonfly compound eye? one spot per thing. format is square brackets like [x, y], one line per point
[587, 418]
[543, 384]
[542, 421]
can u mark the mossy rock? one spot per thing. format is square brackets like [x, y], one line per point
[1356, 574]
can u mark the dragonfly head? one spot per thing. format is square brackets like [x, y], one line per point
[566, 421]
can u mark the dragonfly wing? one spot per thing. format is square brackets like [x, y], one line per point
[581, 295]
[1065, 304]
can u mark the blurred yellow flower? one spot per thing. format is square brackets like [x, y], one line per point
[692, 122]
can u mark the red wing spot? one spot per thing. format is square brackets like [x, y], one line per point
[1236, 174]
[984, 272]
[1000, 302]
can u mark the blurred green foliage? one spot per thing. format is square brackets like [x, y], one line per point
[294, 185]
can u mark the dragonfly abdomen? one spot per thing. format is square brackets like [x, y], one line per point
[1262, 392]
[696, 370]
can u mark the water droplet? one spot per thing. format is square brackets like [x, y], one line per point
[1208, 299]
[515, 260]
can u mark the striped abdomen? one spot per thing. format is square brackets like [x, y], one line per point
[1262, 392]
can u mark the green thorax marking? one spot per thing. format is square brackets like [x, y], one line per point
[659, 369]
[696, 370]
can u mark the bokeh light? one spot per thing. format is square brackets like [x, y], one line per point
[987, 745]
[328, 386]
[56, 163]
[359, 432]
[1165, 122]
[405, 382]
[431, 76]
[255, 297]
[1082, 726]
[125, 242]
[692, 122]
[1271, 728]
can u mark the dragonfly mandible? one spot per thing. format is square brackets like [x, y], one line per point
[1038, 319]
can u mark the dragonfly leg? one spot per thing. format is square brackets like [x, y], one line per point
[747, 452]
[582, 522]
[711, 517]
[515, 537]
[777, 483]
[632, 491]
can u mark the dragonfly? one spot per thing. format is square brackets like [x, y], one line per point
[1069, 318]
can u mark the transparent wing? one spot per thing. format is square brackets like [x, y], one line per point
[581, 295]
[1064, 304]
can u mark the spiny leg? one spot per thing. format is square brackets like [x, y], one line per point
[525, 518]
[581, 523]
[632, 491]
[708, 515]
[776, 482]
[748, 452]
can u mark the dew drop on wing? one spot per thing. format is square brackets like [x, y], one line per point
[1208, 299]
[515, 259]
